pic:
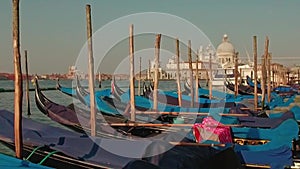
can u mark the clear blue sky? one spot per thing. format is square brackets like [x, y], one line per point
[54, 31]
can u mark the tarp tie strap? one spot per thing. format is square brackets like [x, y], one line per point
[45, 158]
[33, 151]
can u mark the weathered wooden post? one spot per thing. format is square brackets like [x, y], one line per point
[298, 76]
[273, 76]
[269, 76]
[178, 73]
[241, 76]
[263, 81]
[27, 85]
[207, 78]
[255, 71]
[288, 76]
[131, 79]
[156, 59]
[263, 84]
[18, 82]
[197, 77]
[91, 70]
[140, 76]
[210, 76]
[236, 85]
[191, 72]
[100, 80]
[149, 69]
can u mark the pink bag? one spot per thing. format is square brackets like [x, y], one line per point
[210, 129]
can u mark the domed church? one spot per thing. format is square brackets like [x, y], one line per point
[226, 53]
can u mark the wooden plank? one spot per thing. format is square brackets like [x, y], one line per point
[257, 166]
[196, 144]
[164, 125]
[91, 70]
[247, 108]
[18, 81]
[189, 113]
[131, 78]
[30, 89]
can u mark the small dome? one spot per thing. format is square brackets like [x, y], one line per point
[225, 48]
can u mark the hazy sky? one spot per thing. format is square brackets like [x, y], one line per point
[54, 31]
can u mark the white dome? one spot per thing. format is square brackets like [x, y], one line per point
[225, 48]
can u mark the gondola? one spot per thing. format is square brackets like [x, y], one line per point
[276, 99]
[242, 151]
[286, 91]
[187, 89]
[242, 90]
[251, 83]
[170, 99]
[73, 92]
[50, 157]
[78, 119]
[219, 95]
[9, 162]
[72, 150]
[65, 90]
[58, 148]
[111, 105]
[115, 90]
[114, 106]
[252, 121]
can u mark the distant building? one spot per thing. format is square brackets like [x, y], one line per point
[226, 53]
[72, 72]
[161, 73]
[203, 65]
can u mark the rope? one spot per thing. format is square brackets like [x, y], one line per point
[33, 151]
[45, 158]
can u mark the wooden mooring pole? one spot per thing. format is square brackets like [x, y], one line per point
[255, 71]
[91, 70]
[140, 76]
[100, 80]
[269, 76]
[131, 79]
[178, 74]
[236, 84]
[298, 75]
[27, 84]
[191, 72]
[157, 50]
[210, 76]
[149, 70]
[18, 81]
[197, 77]
[263, 84]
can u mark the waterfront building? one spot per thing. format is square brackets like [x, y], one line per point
[226, 53]
[162, 74]
[203, 65]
